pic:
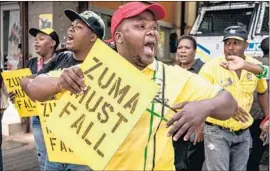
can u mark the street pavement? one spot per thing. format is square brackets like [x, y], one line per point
[19, 153]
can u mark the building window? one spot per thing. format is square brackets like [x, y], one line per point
[163, 46]
[10, 37]
[214, 22]
[265, 23]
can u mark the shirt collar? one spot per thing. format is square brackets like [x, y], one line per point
[153, 66]
[197, 65]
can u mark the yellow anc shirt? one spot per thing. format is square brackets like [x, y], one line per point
[241, 89]
[147, 146]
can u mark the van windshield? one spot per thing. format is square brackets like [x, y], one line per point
[214, 22]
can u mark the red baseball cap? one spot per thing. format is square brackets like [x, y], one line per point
[132, 9]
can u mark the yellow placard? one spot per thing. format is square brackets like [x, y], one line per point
[45, 21]
[57, 150]
[25, 106]
[56, 73]
[95, 124]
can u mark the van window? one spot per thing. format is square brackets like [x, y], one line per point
[265, 25]
[214, 22]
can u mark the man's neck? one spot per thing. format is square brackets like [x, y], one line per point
[81, 55]
[127, 56]
[47, 57]
[187, 66]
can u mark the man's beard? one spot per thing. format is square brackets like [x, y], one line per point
[133, 54]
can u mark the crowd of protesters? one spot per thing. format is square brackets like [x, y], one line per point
[221, 106]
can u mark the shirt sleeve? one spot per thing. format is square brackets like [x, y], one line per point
[32, 65]
[51, 65]
[261, 85]
[206, 71]
[197, 88]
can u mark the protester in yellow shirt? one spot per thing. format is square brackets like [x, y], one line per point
[227, 143]
[148, 146]
[261, 120]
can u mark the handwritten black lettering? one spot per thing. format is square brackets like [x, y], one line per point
[78, 123]
[87, 72]
[19, 93]
[119, 92]
[104, 112]
[88, 107]
[52, 141]
[98, 144]
[103, 86]
[132, 103]
[19, 103]
[65, 110]
[121, 118]
[63, 146]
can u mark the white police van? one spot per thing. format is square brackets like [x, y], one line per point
[214, 16]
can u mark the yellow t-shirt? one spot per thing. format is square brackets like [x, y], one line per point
[147, 146]
[241, 89]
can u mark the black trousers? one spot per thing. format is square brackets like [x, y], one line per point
[257, 147]
[188, 156]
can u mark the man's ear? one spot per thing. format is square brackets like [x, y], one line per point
[53, 43]
[246, 45]
[118, 37]
[93, 37]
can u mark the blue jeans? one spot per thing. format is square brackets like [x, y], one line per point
[39, 142]
[224, 150]
[44, 162]
[54, 166]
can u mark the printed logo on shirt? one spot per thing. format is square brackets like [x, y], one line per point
[249, 76]
[226, 82]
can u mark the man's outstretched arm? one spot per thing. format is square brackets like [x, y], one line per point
[224, 106]
[44, 87]
[192, 114]
[237, 63]
[40, 88]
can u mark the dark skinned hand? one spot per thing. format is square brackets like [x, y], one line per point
[188, 119]
[71, 79]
